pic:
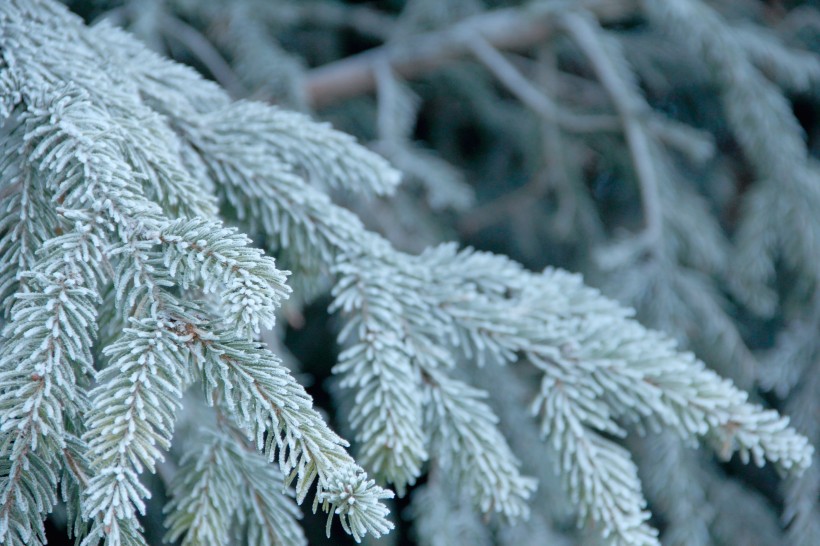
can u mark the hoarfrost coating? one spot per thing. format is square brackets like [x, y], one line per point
[133, 314]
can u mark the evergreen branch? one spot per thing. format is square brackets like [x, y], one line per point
[452, 408]
[60, 302]
[623, 370]
[511, 388]
[175, 91]
[75, 474]
[277, 414]
[598, 473]
[67, 134]
[26, 216]
[201, 510]
[339, 231]
[46, 349]
[467, 443]
[141, 283]
[103, 142]
[70, 263]
[270, 518]
[151, 165]
[134, 404]
[120, 209]
[268, 195]
[142, 415]
[125, 532]
[702, 405]
[10, 97]
[29, 481]
[222, 260]
[380, 365]
[322, 156]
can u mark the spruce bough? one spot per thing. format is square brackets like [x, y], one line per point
[122, 289]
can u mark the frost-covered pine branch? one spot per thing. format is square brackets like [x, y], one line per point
[115, 201]
[123, 171]
[202, 511]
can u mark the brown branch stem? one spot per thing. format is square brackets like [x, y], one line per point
[504, 29]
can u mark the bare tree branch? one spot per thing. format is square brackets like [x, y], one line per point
[507, 29]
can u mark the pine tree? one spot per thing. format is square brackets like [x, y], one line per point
[138, 315]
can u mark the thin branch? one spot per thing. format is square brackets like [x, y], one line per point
[533, 98]
[203, 50]
[632, 114]
[384, 95]
[696, 144]
[570, 210]
[505, 29]
[75, 467]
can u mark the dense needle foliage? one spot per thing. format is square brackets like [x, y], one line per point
[172, 239]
